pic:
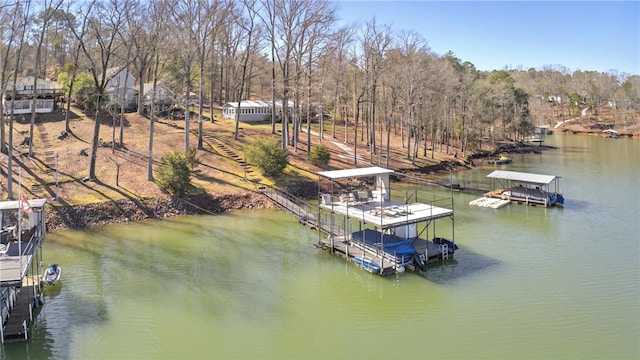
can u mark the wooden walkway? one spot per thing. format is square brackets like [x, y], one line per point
[17, 327]
[306, 214]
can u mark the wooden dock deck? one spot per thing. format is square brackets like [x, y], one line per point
[498, 194]
[16, 329]
[349, 250]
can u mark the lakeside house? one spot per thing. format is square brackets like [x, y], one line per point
[164, 97]
[254, 111]
[20, 96]
[120, 88]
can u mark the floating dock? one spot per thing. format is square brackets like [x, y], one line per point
[366, 226]
[489, 202]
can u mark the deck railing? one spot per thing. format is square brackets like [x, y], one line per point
[292, 204]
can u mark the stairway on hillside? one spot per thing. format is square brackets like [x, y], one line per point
[49, 160]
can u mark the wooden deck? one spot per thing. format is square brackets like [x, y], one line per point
[349, 250]
[16, 329]
[497, 194]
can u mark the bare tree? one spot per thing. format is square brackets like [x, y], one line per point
[285, 21]
[342, 40]
[98, 41]
[11, 29]
[22, 13]
[250, 7]
[159, 15]
[50, 9]
[186, 22]
[375, 42]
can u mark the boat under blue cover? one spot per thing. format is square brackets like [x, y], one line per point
[392, 244]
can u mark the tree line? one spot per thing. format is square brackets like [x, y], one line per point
[368, 79]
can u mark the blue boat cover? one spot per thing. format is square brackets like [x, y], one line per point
[392, 244]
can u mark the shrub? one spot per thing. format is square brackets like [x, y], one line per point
[267, 154]
[173, 174]
[319, 155]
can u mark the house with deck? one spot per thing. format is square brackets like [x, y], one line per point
[164, 97]
[20, 96]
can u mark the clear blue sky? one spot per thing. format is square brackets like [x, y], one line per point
[579, 35]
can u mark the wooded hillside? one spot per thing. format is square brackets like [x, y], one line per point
[373, 82]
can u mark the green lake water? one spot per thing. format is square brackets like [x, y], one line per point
[527, 283]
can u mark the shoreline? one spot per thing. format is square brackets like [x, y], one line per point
[123, 211]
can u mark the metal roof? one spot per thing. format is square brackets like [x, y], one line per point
[255, 104]
[523, 177]
[15, 204]
[354, 173]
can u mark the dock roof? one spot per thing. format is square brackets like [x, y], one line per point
[15, 204]
[522, 177]
[354, 173]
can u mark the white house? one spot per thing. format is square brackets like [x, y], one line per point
[120, 88]
[253, 110]
[20, 97]
[24, 86]
[119, 77]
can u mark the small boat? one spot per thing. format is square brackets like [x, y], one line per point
[612, 133]
[440, 241]
[51, 274]
[367, 264]
[501, 160]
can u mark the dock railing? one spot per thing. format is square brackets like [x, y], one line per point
[292, 204]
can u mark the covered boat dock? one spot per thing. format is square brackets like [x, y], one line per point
[367, 225]
[525, 188]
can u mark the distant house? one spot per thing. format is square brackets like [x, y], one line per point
[555, 99]
[119, 77]
[20, 96]
[252, 111]
[120, 88]
[542, 130]
[164, 97]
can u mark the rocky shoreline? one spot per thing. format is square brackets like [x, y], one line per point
[83, 216]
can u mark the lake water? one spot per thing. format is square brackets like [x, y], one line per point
[528, 282]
